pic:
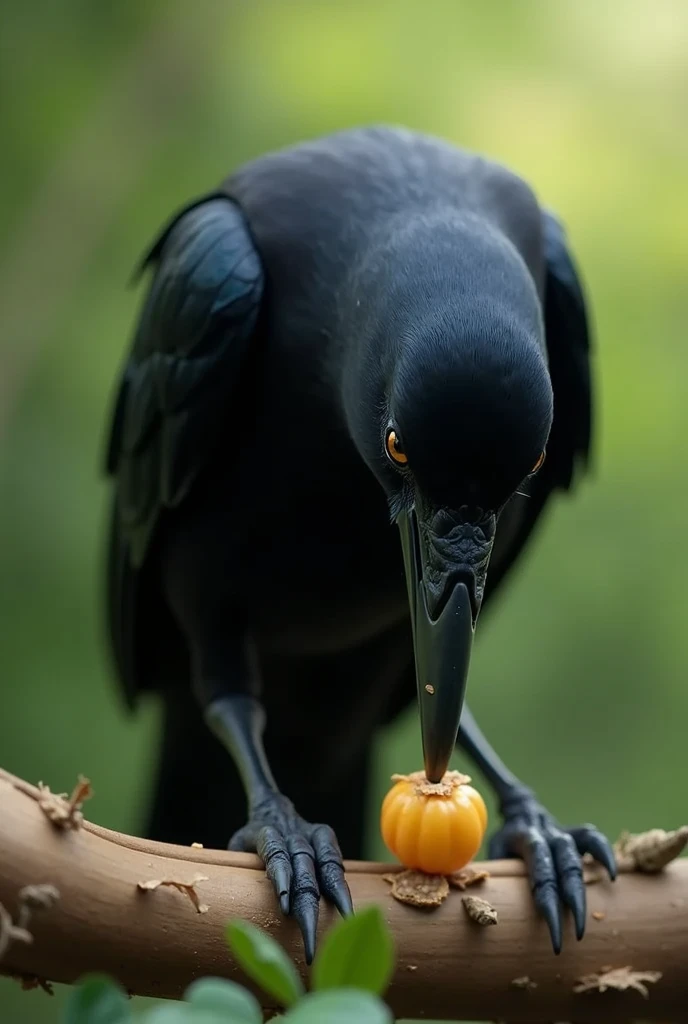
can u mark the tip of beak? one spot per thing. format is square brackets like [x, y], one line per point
[435, 772]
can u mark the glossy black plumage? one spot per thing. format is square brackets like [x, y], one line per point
[322, 293]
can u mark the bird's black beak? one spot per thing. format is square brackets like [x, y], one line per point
[446, 557]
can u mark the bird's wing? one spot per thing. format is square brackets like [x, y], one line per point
[184, 365]
[568, 340]
[179, 383]
[568, 335]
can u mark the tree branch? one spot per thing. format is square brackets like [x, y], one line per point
[156, 941]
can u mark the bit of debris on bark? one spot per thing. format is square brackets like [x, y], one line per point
[599, 915]
[30, 899]
[35, 897]
[411, 967]
[62, 811]
[466, 877]
[11, 932]
[525, 982]
[445, 787]
[592, 871]
[31, 981]
[197, 846]
[39, 897]
[185, 887]
[418, 889]
[479, 910]
[619, 978]
[651, 851]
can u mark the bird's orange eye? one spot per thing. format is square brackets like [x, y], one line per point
[538, 464]
[395, 450]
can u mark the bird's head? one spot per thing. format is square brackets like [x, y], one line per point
[450, 403]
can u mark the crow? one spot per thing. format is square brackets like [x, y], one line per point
[361, 370]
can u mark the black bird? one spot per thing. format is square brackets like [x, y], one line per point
[370, 329]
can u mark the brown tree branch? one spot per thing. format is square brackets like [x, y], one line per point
[156, 940]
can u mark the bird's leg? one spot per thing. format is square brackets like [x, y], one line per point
[551, 852]
[302, 860]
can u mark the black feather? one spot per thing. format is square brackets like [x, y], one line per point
[184, 367]
[567, 336]
[179, 383]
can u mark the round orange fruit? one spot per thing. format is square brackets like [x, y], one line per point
[433, 827]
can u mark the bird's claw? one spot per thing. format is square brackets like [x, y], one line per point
[302, 860]
[553, 859]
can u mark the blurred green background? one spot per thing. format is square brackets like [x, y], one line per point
[114, 115]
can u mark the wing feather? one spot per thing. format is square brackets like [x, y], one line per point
[569, 350]
[184, 367]
[181, 377]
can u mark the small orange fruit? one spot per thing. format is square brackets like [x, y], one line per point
[435, 827]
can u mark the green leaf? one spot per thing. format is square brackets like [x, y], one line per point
[340, 1006]
[358, 952]
[97, 999]
[185, 1013]
[264, 961]
[225, 997]
[171, 1013]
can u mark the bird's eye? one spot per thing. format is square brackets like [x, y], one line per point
[394, 449]
[538, 464]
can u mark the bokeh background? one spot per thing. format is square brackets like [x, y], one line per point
[115, 114]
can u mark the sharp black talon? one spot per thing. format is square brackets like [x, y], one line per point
[307, 919]
[341, 897]
[552, 856]
[303, 863]
[272, 850]
[575, 897]
[532, 846]
[547, 903]
[578, 904]
[590, 840]
[573, 894]
[282, 885]
[569, 869]
[328, 857]
[305, 890]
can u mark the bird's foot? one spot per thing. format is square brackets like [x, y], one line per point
[303, 861]
[552, 855]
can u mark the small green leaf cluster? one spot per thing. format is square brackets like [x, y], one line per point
[351, 971]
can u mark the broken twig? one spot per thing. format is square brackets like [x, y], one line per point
[62, 811]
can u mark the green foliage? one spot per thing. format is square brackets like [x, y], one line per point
[97, 1000]
[264, 961]
[184, 1013]
[354, 965]
[339, 1006]
[358, 953]
[225, 997]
